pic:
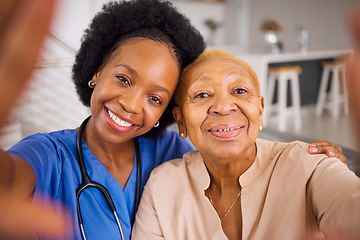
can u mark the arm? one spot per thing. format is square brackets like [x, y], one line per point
[16, 176]
[334, 197]
[147, 224]
[23, 25]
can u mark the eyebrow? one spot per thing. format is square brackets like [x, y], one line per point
[157, 87]
[162, 89]
[128, 68]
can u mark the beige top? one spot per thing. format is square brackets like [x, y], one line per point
[287, 191]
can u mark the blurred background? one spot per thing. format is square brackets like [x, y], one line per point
[264, 33]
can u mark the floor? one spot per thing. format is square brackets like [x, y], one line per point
[325, 127]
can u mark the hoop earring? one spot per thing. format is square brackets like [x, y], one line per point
[91, 84]
[157, 124]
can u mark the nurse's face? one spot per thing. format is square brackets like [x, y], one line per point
[220, 108]
[133, 88]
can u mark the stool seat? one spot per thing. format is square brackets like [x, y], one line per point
[333, 91]
[334, 63]
[284, 75]
[274, 70]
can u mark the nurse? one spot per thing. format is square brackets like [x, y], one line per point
[126, 71]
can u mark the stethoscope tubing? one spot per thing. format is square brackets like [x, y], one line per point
[87, 183]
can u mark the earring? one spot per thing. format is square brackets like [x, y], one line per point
[182, 135]
[91, 84]
[260, 128]
[157, 124]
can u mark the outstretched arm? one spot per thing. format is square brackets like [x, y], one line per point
[23, 24]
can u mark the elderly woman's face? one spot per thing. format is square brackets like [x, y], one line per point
[220, 108]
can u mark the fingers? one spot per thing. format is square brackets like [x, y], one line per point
[328, 148]
[20, 41]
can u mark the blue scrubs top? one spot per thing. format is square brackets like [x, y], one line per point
[53, 156]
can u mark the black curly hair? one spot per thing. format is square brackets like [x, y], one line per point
[154, 19]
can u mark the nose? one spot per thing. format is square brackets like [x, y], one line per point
[132, 102]
[223, 104]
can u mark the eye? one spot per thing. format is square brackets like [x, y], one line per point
[202, 95]
[240, 91]
[124, 80]
[155, 99]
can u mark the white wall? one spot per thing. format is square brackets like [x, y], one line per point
[199, 12]
[325, 20]
[73, 17]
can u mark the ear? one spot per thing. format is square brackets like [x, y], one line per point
[96, 76]
[262, 105]
[177, 113]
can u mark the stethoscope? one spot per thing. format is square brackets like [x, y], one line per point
[87, 183]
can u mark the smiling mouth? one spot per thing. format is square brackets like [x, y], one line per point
[118, 121]
[225, 129]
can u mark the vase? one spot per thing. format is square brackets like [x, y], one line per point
[272, 43]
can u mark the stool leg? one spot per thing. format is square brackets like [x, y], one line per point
[295, 93]
[322, 91]
[344, 88]
[282, 93]
[268, 100]
[335, 93]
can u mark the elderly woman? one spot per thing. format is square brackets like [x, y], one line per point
[236, 186]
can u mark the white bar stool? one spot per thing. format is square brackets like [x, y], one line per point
[284, 74]
[337, 94]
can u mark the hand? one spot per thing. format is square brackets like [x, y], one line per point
[328, 148]
[23, 24]
[22, 218]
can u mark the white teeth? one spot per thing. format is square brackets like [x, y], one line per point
[118, 121]
[225, 129]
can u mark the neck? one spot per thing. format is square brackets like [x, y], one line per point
[225, 173]
[109, 154]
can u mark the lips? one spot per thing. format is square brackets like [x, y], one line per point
[226, 130]
[118, 123]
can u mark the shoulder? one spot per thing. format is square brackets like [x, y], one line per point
[42, 147]
[174, 168]
[288, 155]
[281, 146]
[168, 137]
[54, 139]
[50, 155]
[295, 149]
[166, 146]
[62, 136]
[175, 171]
